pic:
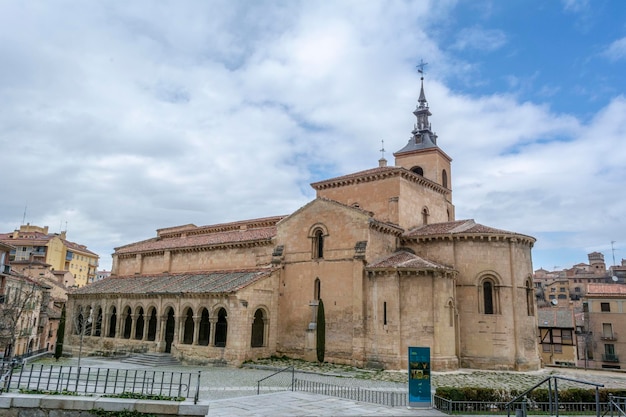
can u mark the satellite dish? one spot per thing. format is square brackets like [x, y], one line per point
[554, 301]
[614, 278]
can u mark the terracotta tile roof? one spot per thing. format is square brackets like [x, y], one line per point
[375, 174]
[216, 282]
[78, 248]
[367, 172]
[40, 239]
[202, 240]
[459, 227]
[606, 289]
[403, 259]
[556, 317]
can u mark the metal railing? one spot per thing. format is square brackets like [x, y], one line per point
[278, 381]
[381, 397]
[617, 404]
[526, 406]
[553, 396]
[102, 381]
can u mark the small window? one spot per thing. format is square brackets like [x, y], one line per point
[318, 244]
[566, 336]
[558, 348]
[547, 348]
[317, 289]
[385, 313]
[605, 307]
[488, 297]
[444, 178]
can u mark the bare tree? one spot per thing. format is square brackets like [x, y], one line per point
[20, 306]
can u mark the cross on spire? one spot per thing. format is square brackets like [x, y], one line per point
[382, 150]
[420, 67]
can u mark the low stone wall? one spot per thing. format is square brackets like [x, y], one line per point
[32, 405]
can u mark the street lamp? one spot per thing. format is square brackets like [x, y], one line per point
[82, 334]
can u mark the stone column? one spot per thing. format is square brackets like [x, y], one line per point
[133, 325]
[213, 322]
[196, 329]
[106, 320]
[177, 329]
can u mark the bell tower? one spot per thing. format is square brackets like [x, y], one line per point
[422, 155]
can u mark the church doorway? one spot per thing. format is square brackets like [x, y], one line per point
[169, 330]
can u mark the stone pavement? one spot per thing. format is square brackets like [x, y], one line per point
[231, 391]
[290, 403]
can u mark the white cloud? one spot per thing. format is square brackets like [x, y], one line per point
[616, 50]
[480, 39]
[130, 117]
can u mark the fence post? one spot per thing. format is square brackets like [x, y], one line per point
[293, 377]
[197, 396]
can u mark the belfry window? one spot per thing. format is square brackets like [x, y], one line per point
[418, 170]
[444, 178]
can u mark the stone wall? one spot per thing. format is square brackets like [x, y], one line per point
[28, 405]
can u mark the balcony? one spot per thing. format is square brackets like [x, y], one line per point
[609, 336]
[610, 358]
[6, 269]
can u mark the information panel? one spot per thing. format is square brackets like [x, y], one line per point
[419, 377]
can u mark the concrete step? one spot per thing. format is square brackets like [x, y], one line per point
[152, 359]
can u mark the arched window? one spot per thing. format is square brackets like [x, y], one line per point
[530, 298]
[112, 322]
[80, 320]
[425, 215]
[489, 295]
[139, 325]
[258, 329]
[418, 170]
[317, 289]
[444, 178]
[128, 322]
[98, 323]
[152, 324]
[204, 332]
[221, 328]
[318, 244]
[188, 331]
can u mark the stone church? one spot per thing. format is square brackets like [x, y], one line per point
[381, 247]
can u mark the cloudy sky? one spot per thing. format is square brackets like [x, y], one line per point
[118, 118]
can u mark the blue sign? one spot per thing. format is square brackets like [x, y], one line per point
[419, 377]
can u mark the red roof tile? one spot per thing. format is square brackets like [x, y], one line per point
[459, 227]
[209, 239]
[606, 289]
[406, 260]
[215, 282]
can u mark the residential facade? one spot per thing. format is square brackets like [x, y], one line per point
[380, 248]
[36, 243]
[604, 329]
[557, 336]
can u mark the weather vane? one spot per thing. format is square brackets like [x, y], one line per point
[420, 67]
[382, 150]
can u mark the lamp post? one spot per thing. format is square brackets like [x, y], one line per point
[82, 334]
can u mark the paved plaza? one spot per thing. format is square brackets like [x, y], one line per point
[232, 391]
